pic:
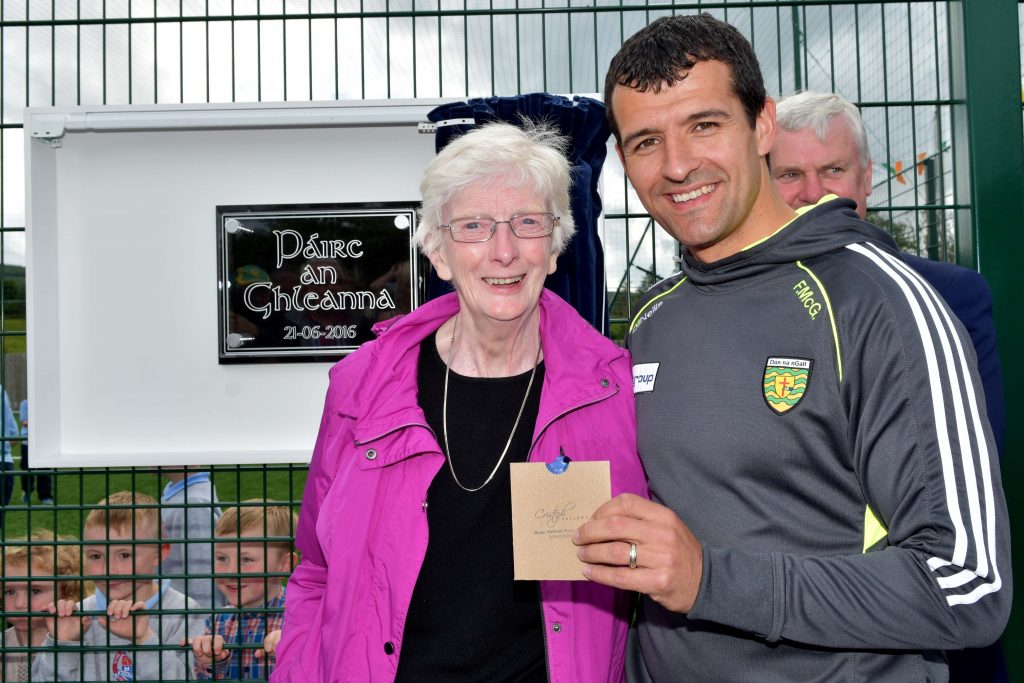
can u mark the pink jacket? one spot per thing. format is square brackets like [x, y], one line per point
[362, 527]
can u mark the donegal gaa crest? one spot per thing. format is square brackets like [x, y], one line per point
[785, 382]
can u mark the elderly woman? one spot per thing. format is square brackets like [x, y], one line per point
[405, 528]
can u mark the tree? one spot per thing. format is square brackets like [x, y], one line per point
[904, 233]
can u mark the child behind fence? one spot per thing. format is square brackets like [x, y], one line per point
[190, 510]
[244, 559]
[31, 567]
[123, 550]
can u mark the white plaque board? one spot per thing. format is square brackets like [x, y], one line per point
[122, 269]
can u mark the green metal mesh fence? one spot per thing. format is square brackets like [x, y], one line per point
[895, 59]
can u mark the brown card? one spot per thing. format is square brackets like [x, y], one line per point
[546, 509]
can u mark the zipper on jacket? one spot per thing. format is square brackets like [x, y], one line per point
[544, 631]
[361, 442]
[571, 409]
[423, 502]
[561, 451]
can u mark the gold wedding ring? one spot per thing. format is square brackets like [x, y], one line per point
[632, 555]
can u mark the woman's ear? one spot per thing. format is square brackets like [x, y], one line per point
[440, 264]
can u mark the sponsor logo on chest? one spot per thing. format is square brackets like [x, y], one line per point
[646, 315]
[644, 375]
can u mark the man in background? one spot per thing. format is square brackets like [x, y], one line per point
[821, 148]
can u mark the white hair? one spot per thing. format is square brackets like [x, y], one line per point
[815, 110]
[529, 156]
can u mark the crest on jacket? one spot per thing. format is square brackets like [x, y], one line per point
[121, 667]
[785, 382]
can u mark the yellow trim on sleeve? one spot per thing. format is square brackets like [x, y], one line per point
[874, 530]
[632, 323]
[831, 315]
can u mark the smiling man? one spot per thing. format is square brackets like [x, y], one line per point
[825, 503]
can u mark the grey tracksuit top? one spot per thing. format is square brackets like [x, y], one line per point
[120, 661]
[812, 410]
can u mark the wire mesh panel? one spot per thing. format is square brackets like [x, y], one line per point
[894, 59]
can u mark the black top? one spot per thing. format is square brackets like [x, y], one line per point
[468, 620]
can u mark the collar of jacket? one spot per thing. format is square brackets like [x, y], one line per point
[577, 372]
[827, 227]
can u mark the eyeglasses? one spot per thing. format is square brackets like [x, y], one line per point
[481, 228]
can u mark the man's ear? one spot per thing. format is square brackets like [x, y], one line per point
[764, 128]
[867, 178]
[165, 550]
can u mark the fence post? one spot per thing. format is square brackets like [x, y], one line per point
[991, 73]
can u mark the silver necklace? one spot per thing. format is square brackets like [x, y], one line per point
[444, 415]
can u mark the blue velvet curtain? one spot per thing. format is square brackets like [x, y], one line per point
[580, 275]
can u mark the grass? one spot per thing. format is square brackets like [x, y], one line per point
[77, 491]
[14, 343]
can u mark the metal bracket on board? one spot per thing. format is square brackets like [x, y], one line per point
[48, 129]
[431, 128]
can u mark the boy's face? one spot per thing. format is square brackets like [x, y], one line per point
[121, 560]
[257, 558]
[26, 596]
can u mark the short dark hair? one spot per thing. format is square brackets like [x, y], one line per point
[662, 54]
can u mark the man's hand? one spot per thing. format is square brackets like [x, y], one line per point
[122, 624]
[668, 556]
[208, 649]
[269, 645]
[65, 625]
